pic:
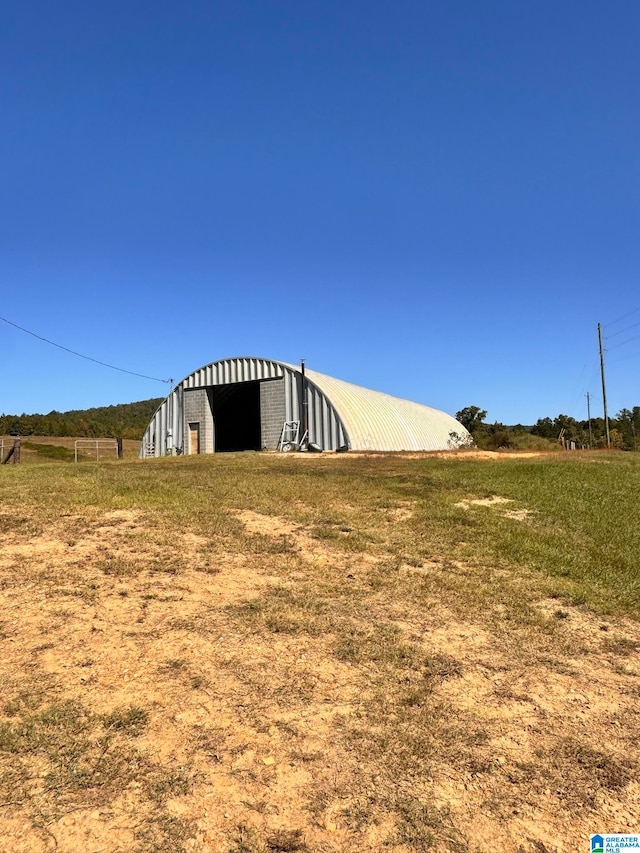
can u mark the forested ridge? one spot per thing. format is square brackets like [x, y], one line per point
[124, 420]
[129, 420]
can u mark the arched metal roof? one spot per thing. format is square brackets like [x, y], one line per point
[340, 414]
[377, 421]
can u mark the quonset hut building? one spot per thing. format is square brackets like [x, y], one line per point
[244, 404]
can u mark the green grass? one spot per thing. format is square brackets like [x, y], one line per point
[580, 539]
[50, 451]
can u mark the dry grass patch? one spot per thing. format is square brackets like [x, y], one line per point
[250, 654]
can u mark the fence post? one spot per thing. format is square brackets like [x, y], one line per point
[13, 455]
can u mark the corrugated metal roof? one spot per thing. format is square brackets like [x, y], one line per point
[378, 421]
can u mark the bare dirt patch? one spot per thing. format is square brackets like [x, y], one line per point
[521, 514]
[492, 501]
[280, 689]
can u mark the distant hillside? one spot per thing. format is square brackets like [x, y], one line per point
[125, 420]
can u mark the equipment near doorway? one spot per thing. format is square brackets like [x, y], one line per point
[290, 437]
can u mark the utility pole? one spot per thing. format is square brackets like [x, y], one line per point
[170, 402]
[604, 390]
[305, 406]
[589, 417]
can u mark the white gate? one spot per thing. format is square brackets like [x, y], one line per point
[95, 446]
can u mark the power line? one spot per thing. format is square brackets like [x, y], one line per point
[624, 317]
[86, 357]
[627, 357]
[626, 329]
[635, 338]
[581, 391]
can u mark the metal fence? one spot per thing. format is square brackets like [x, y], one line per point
[93, 447]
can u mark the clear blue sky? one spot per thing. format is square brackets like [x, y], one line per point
[439, 200]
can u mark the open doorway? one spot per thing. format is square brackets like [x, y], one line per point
[236, 416]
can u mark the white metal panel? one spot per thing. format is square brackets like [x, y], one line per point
[377, 421]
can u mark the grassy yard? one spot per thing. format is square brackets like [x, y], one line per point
[258, 652]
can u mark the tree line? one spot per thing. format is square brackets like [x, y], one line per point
[125, 420]
[130, 420]
[624, 430]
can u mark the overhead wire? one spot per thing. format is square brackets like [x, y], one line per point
[628, 341]
[626, 329]
[581, 387]
[623, 317]
[81, 355]
[627, 357]
[606, 349]
[586, 388]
